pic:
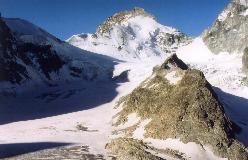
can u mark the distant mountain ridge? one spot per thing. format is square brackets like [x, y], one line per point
[30, 55]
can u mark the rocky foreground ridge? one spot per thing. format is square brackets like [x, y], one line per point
[181, 105]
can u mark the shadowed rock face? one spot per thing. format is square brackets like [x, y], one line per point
[45, 56]
[229, 32]
[9, 69]
[16, 55]
[188, 110]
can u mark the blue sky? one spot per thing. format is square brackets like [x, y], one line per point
[63, 18]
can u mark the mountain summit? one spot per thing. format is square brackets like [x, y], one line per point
[121, 17]
[130, 35]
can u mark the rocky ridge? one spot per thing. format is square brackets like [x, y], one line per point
[182, 105]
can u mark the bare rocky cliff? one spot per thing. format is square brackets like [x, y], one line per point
[229, 33]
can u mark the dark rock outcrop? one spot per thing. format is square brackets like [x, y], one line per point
[17, 55]
[10, 70]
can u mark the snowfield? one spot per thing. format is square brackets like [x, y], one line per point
[62, 128]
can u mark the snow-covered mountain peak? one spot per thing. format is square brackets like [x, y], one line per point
[131, 34]
[121, 17]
